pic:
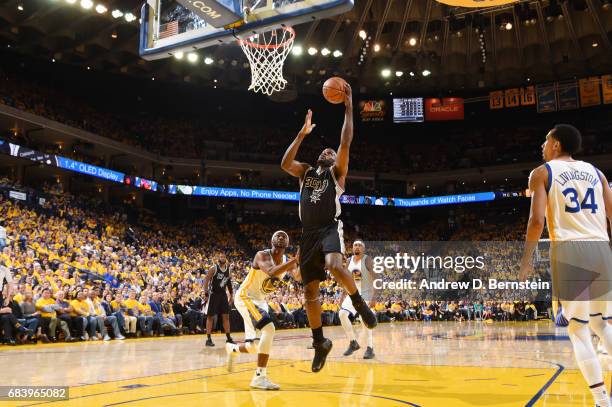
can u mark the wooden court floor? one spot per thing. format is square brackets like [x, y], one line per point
[416, 364]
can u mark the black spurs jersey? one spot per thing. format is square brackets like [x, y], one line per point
[319, 199]
[220, 280]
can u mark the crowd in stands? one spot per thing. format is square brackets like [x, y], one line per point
[81, 271]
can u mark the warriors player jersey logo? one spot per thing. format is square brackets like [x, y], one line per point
[270, 284]
[318, 186]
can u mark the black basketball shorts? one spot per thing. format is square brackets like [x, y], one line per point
[314, 245]
[217, 304]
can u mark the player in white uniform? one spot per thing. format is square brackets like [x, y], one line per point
[361, 266]
[575, 199]
[267, 271]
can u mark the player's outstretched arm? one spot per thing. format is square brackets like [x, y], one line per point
[261, 262]
[535, 224]
[346, 138]
[289, 163]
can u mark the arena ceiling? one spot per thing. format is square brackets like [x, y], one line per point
[533, 41]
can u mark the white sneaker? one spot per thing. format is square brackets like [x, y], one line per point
[263, 383]
[120, 337]
[106, 338]
[85, 336]
[231, 356]
[93, 338]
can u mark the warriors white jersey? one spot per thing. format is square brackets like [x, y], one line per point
[364, 283]
[575, 208]
[257, 283]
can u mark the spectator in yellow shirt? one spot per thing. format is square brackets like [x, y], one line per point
[118, 305]
[135, 308]
[48, 318]
[18, 297]
[397, 311]
[80, 313]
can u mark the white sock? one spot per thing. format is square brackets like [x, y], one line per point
[261, 371]
[600, 395]
[346, 324]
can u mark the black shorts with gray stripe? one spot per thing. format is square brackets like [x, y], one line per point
[314, 245]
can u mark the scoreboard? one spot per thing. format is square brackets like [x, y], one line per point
[406, 110]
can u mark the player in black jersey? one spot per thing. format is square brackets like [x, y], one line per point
[217, 281]
[322, 244]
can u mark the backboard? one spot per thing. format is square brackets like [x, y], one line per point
[170, 26]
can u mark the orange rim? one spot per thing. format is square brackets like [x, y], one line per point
[290, 30]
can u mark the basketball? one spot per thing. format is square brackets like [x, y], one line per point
[333, 90]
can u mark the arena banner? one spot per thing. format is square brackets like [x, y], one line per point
[143, 183]
[567, 94]
[606, 87]
[496, 99]
[243, 193]
[239, 193]
[83, 168]
[53, 160]
[484, 270]
[372, 110]
[590, 94]
[444, 109]
[547, 98]
[236, 193]
[528, 96]
[512, 97]
[18, 151]
[65, 163]
[445, 200]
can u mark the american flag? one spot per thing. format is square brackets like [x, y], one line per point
[168, 30]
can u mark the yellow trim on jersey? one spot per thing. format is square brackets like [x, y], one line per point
[247, 301]
[549, 220]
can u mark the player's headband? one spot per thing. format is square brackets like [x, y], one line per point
[359, 242]
[280, 231]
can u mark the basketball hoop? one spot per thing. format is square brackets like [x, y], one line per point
[266, 53]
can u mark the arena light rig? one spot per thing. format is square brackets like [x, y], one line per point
[102, 9]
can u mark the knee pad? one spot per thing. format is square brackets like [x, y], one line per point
[267, 336]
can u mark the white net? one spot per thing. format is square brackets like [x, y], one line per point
[266, 53]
